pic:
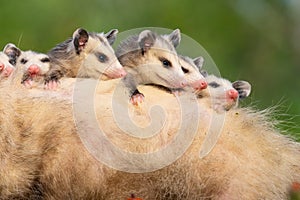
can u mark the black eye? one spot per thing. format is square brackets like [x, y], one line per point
[102, 58]
[185, 70]
[44, 60]
[165, 62]
[213, 84]
[23, 61]
[12, 61]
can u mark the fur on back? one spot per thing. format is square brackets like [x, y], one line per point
[129, 51]
[251, 160]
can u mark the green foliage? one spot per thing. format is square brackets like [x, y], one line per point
[252, 40]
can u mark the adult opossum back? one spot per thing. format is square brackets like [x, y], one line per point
[26, 133]
[251, 159]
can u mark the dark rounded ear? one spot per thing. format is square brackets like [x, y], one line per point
[199, 61]
[146, 40]
[174, 37]
[111, 36]
[80, 38]
[243, 88]
[204, 73]
[12, 51]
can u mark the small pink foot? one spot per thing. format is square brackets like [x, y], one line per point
[51, 85]
[28, 83]
[137, 99]
[7, 71]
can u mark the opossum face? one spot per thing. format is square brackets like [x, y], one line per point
[192, 74]
[8, 59]
[160, 61]
[33, 63]
[100, 58]
[223, 94]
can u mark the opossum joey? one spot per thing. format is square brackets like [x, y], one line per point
[85, 55]
[222, 94]
[191, 67]
[34, 66]
[150, 58]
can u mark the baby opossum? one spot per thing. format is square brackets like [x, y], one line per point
[85, 55]
[34, 66]
[150, 58]
[31, 64]
[8, 60]
[222, 94]
[191, 68]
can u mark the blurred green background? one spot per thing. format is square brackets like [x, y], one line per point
[254, 40]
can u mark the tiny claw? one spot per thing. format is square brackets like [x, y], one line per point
[137, 99]
[28, 83]
[51, 85]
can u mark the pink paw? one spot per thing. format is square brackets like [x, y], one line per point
[136, 99]
[51, 85]
[28, 83]
[7, 71]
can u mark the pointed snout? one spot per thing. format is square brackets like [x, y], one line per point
[232, 94]
[121, 73]
[116, 73]
[199, 85]
[33, 69]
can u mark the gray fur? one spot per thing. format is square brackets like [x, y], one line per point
[174, 37]
[191, 71]
[190, 61]
[143, 56]
[199, 62]
[129, 50]
[111, 36]
[68, 59]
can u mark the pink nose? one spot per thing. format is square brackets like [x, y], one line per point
[33, 69]
[232, 94]
[1, 66]
[199, 85]
[116, 73]
[203, 85]
[7, 71]
[122, 72]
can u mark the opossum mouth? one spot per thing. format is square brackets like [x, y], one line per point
[230, 103]
[105, 77]
[34, 74]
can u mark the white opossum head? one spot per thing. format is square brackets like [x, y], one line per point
[163, 63]
[8, 59]
[98, 56]
[191, 68]
[223, 94]
[152, 58]
[33, 63]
